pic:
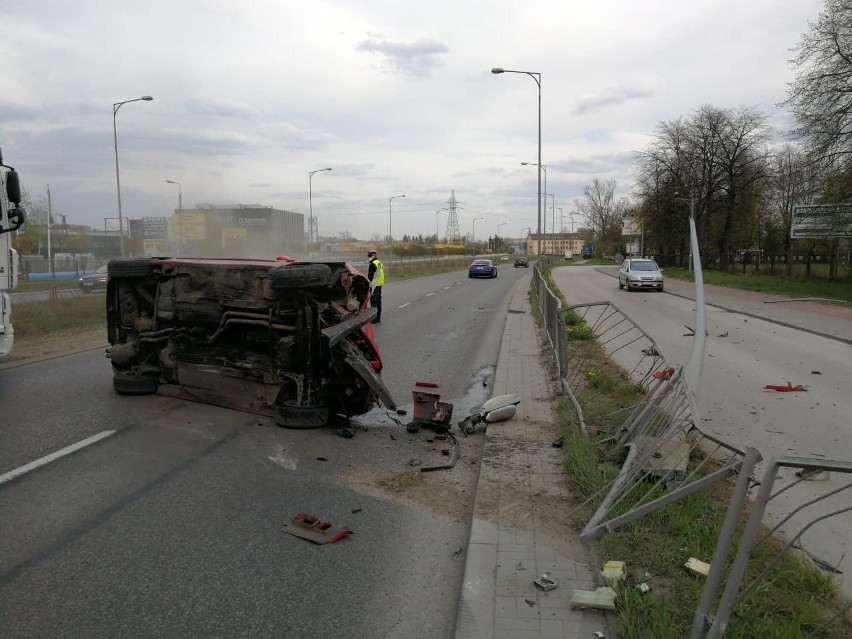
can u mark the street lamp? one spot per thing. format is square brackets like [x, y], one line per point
[542, 167]
[537, 77]
[115, 107]
[691, 202]
[552, 211]
[561, 223]
[390, 220]
[180, 216]
[311, 207]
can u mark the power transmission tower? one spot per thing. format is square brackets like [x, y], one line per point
[453, 233]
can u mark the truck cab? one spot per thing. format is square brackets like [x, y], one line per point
[12, 217]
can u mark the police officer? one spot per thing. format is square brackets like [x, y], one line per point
[376, 275]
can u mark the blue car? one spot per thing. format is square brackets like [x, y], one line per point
[482, 268]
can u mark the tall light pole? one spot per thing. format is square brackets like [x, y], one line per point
[527, 239]
[180, 215]
[552, 211]
[561, 223]
[691, 202]
[537, 77]
[115, 107]
[390, 219]
[311, 207]
[541, 168]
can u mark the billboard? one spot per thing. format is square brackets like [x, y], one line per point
[822, 221]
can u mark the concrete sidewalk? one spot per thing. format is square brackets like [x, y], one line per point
[519, 530]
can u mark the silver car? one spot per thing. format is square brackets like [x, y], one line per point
[640, 273]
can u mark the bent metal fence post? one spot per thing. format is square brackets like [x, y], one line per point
[707, 626]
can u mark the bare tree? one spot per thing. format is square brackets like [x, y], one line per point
[821, 95]
[602, 211]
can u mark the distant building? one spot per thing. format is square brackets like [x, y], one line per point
[241, 230]
[554, 244]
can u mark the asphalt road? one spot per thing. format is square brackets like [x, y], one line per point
[171, 526]
[745, 353]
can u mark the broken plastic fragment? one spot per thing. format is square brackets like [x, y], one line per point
[545, 583]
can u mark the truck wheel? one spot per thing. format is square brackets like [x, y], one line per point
[299, 276]
[130, 268]
[126, 383]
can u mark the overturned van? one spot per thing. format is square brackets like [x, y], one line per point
[281, 338]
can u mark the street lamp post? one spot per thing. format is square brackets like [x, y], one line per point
[691, 202]
[473, 234]
[115, 107]
[561, 222]
[390, 220]
[537, 77]
[311, 207]
[541, 168]
[552, 211]
[180, 215]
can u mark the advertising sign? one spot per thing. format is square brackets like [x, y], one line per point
[821, 220]
[190, 226]
[155, 228]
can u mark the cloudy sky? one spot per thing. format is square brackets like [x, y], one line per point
[397, 97]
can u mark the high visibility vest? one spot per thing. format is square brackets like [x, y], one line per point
[380, 273]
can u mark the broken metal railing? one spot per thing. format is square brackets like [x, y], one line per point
[551, 309]
[669, 457]
[713, 626]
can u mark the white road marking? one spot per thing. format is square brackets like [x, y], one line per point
[54, 456]
[429, 294]
[404, 305]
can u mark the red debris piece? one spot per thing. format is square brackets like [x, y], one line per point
[666, 374]
[789, 388]
[315, 530]
[426, 384]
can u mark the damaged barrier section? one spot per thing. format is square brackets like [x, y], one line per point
[754, 538]
[668, 455]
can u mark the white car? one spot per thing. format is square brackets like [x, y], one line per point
[640, 273]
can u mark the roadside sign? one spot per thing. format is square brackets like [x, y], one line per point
[821, 220]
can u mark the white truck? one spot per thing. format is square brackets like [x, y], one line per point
[12, 217]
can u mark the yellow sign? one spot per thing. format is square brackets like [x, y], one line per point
[189, 226]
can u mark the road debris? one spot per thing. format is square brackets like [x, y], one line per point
[602, 599]
[546, 583]
[789, 388]
[315, 530]
[697, 567]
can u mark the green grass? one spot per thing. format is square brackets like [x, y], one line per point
[73, 314]
[794, 286]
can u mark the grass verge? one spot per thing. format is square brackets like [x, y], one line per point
[32, 320]
[794, 286]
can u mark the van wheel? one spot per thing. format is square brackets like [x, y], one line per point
[127, 383]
